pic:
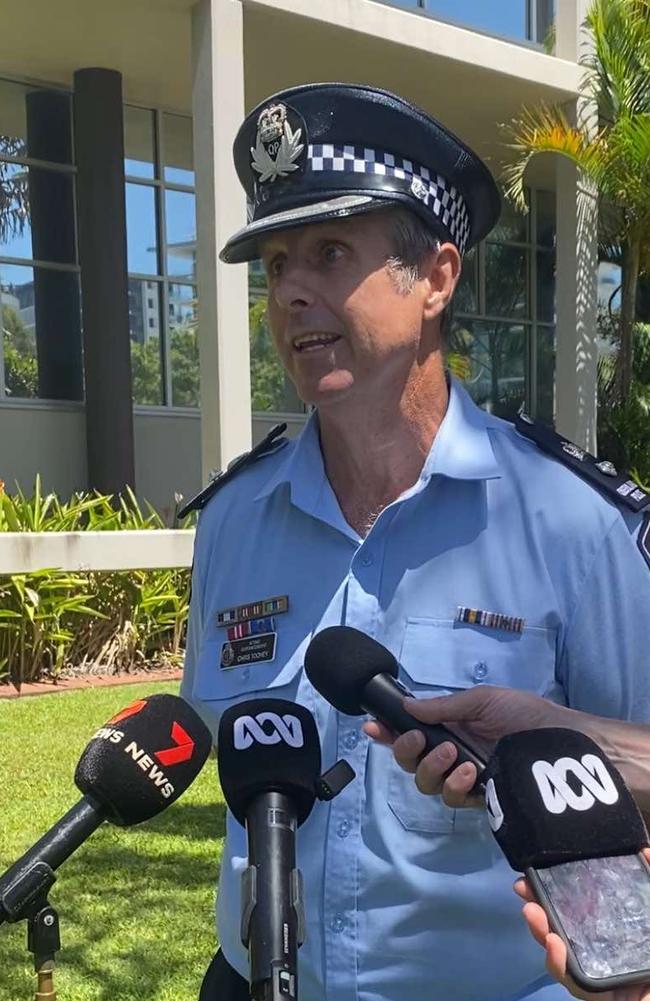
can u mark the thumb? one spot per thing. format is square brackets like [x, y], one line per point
[445, 708]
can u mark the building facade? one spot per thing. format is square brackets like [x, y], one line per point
[129, 353]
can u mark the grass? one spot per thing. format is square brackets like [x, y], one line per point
[136, 905]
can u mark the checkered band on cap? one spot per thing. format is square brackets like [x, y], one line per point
[442, 198]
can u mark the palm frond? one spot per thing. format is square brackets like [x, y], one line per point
[547, 130]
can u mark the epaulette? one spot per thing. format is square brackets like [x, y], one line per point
[267, 446]
[601, 473]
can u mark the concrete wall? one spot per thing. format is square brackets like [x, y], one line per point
[43, 439]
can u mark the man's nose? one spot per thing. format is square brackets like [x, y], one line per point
[292, 290]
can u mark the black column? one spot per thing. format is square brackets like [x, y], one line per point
[101, 219]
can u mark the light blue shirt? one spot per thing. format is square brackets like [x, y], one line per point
[408, 900]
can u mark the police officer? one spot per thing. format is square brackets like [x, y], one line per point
[403, 510]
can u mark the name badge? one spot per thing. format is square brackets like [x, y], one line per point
[258, 649]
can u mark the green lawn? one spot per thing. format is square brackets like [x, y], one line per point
[135, 904]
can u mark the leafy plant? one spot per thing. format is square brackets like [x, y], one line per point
[52, 620]
[613, 154]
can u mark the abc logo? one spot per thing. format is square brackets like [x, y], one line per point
[590, 772]
[267, 728]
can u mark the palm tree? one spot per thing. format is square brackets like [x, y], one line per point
[614, 155]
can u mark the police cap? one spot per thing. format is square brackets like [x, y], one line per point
[328, 150]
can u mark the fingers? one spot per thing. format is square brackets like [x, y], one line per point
[443, 708]
[523, 890]
[378, 731]
[432, 774]
[537, 922]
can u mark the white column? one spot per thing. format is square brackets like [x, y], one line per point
[218, 111]
[577, 262]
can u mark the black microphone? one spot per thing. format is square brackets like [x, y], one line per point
[269, 766]
[357, 675]
[563, 815]
[553, 796]
[133, 767]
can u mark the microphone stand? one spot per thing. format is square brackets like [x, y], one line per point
[25, 898]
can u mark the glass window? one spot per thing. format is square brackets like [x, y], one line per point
[512, 225]
[545, 218]
[41, 333]
[507, 18]
[36, 214]
[180, 211]
[178, 155]
[141, 230]
[545, 410]
[466, 295]
[545, 286]
[495, 362]
[145, 331]
[35, 123]
[506, 280]
[183, 345]
[139, 157]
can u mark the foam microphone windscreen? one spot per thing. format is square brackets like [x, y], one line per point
[268, 745]
[144, 758]
[340, 661]
[553, 796]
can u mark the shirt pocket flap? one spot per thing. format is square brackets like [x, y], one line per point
[213, 682]
[443, 653]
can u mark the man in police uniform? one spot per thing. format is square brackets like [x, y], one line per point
[405, 511]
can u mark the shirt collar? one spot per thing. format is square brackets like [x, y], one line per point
[461, 450]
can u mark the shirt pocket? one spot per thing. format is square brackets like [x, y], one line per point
[281, 678]
[440, 656]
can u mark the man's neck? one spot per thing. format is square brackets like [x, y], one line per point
[374, 452]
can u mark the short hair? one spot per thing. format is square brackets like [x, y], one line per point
[412, 242]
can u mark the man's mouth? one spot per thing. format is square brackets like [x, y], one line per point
[314, 342]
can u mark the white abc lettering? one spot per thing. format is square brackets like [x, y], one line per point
[590, 771]
[494, 811]
[250, 729]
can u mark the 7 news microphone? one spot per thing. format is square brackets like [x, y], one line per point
[134, 766]
[269, 767]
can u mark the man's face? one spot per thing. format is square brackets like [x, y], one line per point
[338, 319]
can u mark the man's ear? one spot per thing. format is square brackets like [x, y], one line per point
[442, 272]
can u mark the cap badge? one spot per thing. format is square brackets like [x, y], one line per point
[277, 145]
[607, 467]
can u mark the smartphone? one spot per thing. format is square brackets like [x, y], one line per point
[601, 908]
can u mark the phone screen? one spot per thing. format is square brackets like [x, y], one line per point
[603, 908]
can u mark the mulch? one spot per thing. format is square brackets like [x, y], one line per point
[76, 682]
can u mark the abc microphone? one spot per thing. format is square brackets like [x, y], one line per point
[269, 767]
[563, 815]
[357, 675]
[133, 767]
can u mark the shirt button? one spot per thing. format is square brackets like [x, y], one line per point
[246, 673]
[337, 924]
[367, 560]
[351, 740]
[480, 670]
[344, 828]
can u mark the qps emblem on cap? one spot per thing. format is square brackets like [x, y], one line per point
[278, 147]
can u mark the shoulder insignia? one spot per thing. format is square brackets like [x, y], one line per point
[267, 446]
[600, 473]
[643, 538]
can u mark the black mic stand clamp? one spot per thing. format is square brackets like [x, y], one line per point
[26, 899]
[281, 984]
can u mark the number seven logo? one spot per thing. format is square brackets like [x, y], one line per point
[181, 751]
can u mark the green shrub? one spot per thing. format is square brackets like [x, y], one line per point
[89, 621]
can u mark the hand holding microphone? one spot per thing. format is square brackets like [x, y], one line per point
[357, 675]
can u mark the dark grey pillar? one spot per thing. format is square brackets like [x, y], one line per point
[101, 220]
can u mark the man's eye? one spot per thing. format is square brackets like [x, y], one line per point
[275, 267]
[332, 253]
